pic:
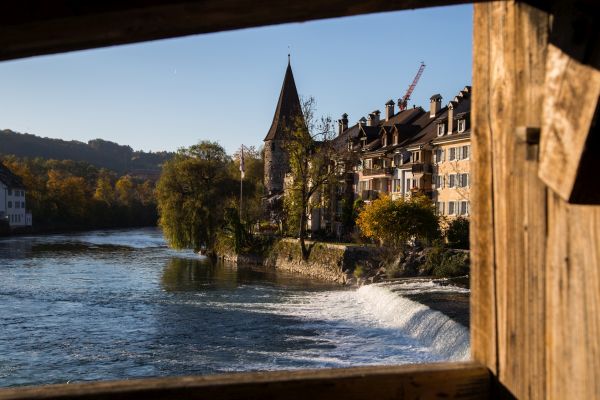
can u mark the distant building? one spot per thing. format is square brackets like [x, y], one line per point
[409, 152]
[12, 199]
[288, 113]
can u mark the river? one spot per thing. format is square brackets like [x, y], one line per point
[122, 305]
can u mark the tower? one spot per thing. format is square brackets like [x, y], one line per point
[288, 113]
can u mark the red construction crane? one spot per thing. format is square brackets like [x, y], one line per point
[403, 102]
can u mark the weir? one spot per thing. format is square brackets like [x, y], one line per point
[430, 328]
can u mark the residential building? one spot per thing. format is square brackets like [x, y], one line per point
[452, 156]
[13, 206]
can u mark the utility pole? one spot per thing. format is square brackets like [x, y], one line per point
[242, 173]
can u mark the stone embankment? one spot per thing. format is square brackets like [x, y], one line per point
[326, 262]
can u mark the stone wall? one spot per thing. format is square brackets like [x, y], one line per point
[327, 262]
[276, 166]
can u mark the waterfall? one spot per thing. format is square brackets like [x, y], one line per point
[429, 327]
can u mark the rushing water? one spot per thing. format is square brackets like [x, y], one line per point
[121, 305]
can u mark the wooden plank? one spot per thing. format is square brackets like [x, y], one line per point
[569, 153]
[426, 381]
[573, 323]
[512, 75]
[571, 101]
[483, 300]
[36, 27]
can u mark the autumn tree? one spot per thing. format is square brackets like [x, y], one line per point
[310, 155]
[191, 194]
[104, 189]
[396, 222]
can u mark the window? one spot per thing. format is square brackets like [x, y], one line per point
[464, 207]
[439, 156]
[462, 125]
[22, 204]
[407, 184]
[452, 181]
[451, 209]
[466, 152]
[441, 129]
[396, 185]
[464, 180]
[17, 204]
[439, 182]
[10, 192]
[417, 155]
[10, 204]
[440, 208]
[452, 154]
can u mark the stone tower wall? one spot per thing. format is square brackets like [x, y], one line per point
[276, 166]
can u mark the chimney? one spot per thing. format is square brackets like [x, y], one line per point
[451, 117]
[373, 118]
[389, 110]
[362, 121]
[342, 124]
[435, 105]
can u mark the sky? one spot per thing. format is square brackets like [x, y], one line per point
[168, 94]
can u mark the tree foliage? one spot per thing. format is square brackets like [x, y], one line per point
[66, 194]
[198, 188]
[458, 233]
[310, 155]
[396, 222]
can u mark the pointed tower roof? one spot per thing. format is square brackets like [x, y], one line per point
[288, 107]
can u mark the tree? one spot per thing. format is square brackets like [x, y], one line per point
[124, 190]
[191, 195]
[395, 222]
[310, 156]
[458, 233]
[104, 190]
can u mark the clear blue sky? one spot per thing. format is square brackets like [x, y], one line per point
[167, 94]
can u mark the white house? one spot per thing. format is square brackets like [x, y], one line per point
[13, 207]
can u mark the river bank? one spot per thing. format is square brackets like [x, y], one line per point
[352, 264]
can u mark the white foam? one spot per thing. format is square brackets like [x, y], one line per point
[431, 328]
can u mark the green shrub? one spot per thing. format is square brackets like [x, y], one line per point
[458, 233]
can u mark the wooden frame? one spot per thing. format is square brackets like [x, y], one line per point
[535, 282]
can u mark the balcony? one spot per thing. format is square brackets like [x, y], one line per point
[377, 171]
[367, 195]
[421, 168]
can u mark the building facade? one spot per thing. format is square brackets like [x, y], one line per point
[13, 205]
[411, 152]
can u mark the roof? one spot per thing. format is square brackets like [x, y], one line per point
[9, 178]
[288, 108]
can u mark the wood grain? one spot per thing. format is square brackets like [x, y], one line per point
[426, 381]
[35, 27]
[509, 241]
[571, 100]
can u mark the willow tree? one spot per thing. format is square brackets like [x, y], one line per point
[191, 195]
[310, 153]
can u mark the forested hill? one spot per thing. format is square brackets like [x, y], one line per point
[101, 153]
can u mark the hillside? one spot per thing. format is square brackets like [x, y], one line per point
[101, 153]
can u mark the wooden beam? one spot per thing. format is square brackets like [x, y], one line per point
[509, 211]
[569, 146]
[36, 27]
[425, 381]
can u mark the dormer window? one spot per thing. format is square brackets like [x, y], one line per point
[461, 125]
[441, 129]
[395, 138]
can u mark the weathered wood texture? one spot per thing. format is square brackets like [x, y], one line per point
[35, 27]
[535, 260]
[573, 307]
[508, 233]
[571, 97]
[433, 381]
